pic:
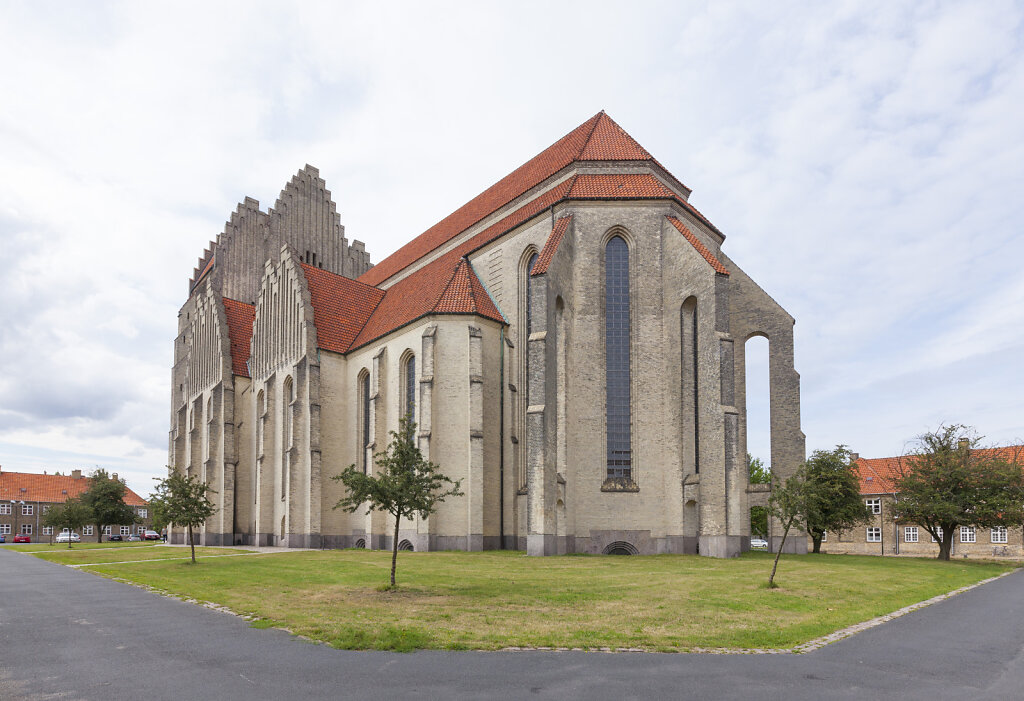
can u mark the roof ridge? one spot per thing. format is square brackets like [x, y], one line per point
[447, 285]
[470, 274]
[595, 119]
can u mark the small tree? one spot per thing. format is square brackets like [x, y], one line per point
[833, 500]
[183, 500]
[948, 483]
[105, 497]
[788, 504]
[72, 515]
[406, 484]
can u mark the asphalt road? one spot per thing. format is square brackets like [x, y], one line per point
[67, 634]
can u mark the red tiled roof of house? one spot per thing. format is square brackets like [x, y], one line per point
[597, 139]
[878, 475]
[341, 307]
[26, 486]
[696, 243]
[550, 246]
[239, 316]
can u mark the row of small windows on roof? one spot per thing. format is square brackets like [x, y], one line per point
[310, 259]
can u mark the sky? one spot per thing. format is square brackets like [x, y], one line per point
[865, 161]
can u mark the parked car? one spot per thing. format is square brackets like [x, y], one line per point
[68, 538]
[22, 538]
[758, 544]
[134, 538]
[151, 535]
[115, 538]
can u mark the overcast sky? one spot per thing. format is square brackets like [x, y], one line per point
[866, 162]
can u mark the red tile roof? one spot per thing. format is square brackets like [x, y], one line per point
[52, 489]
[696, 243]
[465, 294]
[239, 316]
[597, 139]
[341, 307]
[619, 185]
[877, 475]
[551, 245]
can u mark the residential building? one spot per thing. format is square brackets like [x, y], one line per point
[25, 497]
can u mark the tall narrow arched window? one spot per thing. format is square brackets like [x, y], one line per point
[528, 260]
[690, 385]
[617, 359]
[364, 416]
[409, 388]
[288, 436]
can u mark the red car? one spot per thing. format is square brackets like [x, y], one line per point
[22, 538]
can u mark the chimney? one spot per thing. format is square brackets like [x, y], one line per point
[114, 477]
[854, 457]
[963, 444]
[76, 474]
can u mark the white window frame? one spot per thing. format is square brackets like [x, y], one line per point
[47, 530]
[65, 530]
[910, 534]
[968, 534]
[44, 508]
[126, 530]
[143, 513]
[939, 529]
[5, 529]
[86, 530]
[873, 534]
[106, 530]
[26, 529]
[824, 536]
[28, 509]
[1000, 535]
[875, 504]
[5, 509]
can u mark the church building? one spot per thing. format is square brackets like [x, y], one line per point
[570, 344]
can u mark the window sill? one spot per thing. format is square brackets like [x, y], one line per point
[619, 484]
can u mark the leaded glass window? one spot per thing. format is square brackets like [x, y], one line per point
[410, 388]
[364, 387]
[617, 371]
[529, 324]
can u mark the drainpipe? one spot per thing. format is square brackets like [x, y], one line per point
[501, 443]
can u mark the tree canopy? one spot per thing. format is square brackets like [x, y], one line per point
[406, 484]
[759, 473]
[72, 515]
[833, 500]
[105, 498]
[948, 482]
[184, 501]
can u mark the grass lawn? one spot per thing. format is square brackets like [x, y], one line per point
[492, 600]
[63, 556]
[45, 547]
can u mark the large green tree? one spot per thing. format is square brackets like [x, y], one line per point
[72, 515]
[105, 498]
[183, 500]
[406, 484]
[833, 500]
[947, 482]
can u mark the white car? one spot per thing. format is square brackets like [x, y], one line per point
[758, 544]
[69, 538]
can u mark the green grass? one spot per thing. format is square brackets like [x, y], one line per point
[63, 556]
[49, 547]
[492, 600]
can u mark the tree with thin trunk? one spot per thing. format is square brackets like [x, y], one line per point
[105, 496]
[183, 500]
[949, 482]
[72, 515]
[405, 484]
[788, 504]
[833, 501]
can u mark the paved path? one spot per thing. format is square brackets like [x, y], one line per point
[68, 634]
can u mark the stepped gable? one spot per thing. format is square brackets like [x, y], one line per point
[696, 243]
[341, 307]
[550, 246]
[203, 267]
[239, 317]
[289, 214]
[55, 489]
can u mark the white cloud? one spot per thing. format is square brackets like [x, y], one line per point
[864, 160]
